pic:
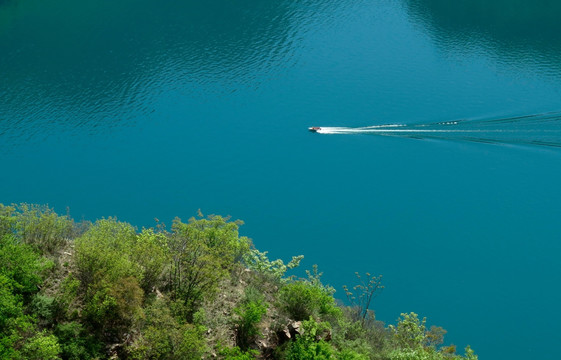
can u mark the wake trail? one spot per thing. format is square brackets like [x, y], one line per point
[543, 129]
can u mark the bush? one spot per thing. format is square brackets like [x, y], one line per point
[103, 253]
[249, 315]
[150, 252]
[203, 253]
[164, 337]
[236, 353]
[268, 270]
[76, 343]
[114, 308]
[42, 346]
[307, 346]
[301, 299]
[21, 265]
[410, 332]
[45, 309]
[38, 226]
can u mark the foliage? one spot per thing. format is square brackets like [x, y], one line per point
[410, 332]
[164, 337]
[20, 265]
[110, 277]
[45, 309]
[115, 307]
[249, 315]
[67, 293]
[20, 269]
[310, 345]
[151, 254]
[267, 269]
[76, 343]
[435, 336]
[470, 354]
[141, 296]
[302, 299]
[236, 353]
[365, 338]
[42, 346]
[36, 225]
[366, 292]
[203, 252]
[6, 220]
[414, 342]
[103, 253]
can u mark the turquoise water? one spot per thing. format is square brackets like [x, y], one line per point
[143, 110]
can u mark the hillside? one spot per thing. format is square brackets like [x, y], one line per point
[198, 290]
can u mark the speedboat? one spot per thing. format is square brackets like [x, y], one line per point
[314, 128]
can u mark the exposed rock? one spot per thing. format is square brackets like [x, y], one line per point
[262, 345]
[284, 335]
[295, 328]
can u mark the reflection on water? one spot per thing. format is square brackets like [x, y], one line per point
[522, 33]
[95, 62]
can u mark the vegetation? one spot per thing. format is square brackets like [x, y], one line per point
[106, 290]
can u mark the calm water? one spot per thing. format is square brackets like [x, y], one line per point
[148, 110]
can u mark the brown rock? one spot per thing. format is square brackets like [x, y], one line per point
[295, 328]
[284, 335]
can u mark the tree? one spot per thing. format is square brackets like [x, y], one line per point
[302, 300]
[162, 336]
[203, 252]
[42, 346]
[103, 253]
[150, 253]
[109, 277]
[20, 269]
[36, 225]
[410, 331]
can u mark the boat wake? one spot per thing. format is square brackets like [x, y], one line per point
[538, 130]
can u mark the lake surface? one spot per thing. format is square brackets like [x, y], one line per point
[146, 110]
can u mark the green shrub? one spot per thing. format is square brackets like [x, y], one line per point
[151, 254]
[40, 227]
[309, 350]
[21, 265]
[302, 299]
[414, 342]
[42, 346]
[236, 353]
[308, 345]
[162, 336]
[360, 339]
[272, 271]
[249, 315]
[410, 332]
[104, 253]
[6, 220]
[203, 252]
[76, 343]
[114, 308]
[44, 307]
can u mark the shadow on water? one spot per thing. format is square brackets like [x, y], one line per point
[518, 32]
[90, 63]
